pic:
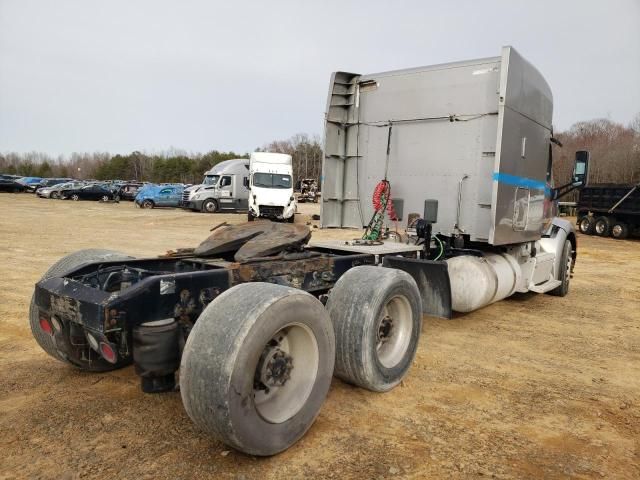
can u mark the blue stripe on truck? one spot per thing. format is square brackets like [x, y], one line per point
[523, 182]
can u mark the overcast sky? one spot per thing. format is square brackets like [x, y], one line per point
[233, 75]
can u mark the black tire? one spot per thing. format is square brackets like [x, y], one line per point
[356, 305]
[147, 204]
[209, 206]
[75, 197]
[565, 271]
[619, 230]
[55, 195]
[586, 224]
[291, 219]
[46, 341]
[226, 352]
[602, 226]
[250, 218]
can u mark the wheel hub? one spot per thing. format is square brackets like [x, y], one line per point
[275, 369]
[385, 329]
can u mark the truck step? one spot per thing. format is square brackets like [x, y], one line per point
[546, 286]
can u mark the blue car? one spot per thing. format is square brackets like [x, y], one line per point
[30, 183]
[151, 196]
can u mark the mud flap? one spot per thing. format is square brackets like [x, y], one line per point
[433, 282]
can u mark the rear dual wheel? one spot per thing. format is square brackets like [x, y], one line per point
[602, 226]
[377, 316]
[257, 366]
[619, 230]
[586, 224]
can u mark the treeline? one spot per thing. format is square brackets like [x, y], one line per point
[615, 151]
[171, 166]
[615, 158]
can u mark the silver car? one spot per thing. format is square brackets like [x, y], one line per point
[54, 191]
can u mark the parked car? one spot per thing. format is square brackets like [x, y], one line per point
[55, 190]
[90, 192]
[8, 185]
[50, 182]
[151, 196]
[30, 183]
[128, 191]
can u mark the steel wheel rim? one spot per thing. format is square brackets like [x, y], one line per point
[569, 259]
[617, 230]
[283, 401]
[393, 331]
[584, 225]
[210, 207]
[599, 227]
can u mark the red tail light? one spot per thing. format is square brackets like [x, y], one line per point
[46, 326]
[108, 353]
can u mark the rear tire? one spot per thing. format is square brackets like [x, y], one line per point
[257, 367]
[603, 226]
[565, 273]
[619, 230]
[46, 341]
[586, 224]
[377, 316]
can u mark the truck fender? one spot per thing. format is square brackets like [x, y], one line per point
[560, 231]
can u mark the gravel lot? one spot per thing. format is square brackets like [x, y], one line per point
[531, 387]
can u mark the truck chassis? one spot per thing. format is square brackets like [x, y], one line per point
[99, 310]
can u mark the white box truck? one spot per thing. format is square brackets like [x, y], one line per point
[271, 187]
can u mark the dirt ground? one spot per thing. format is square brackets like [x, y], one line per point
[531, 387]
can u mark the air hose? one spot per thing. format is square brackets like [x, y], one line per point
[382, 203]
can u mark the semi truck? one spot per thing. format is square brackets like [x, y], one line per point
[271, 187]
[259, 317]
[225, 188]
[609, 209]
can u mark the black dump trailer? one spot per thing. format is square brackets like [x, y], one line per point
[609, 209]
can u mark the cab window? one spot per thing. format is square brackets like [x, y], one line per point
[225, 181]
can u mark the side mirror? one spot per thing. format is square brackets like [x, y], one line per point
[581, 169]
